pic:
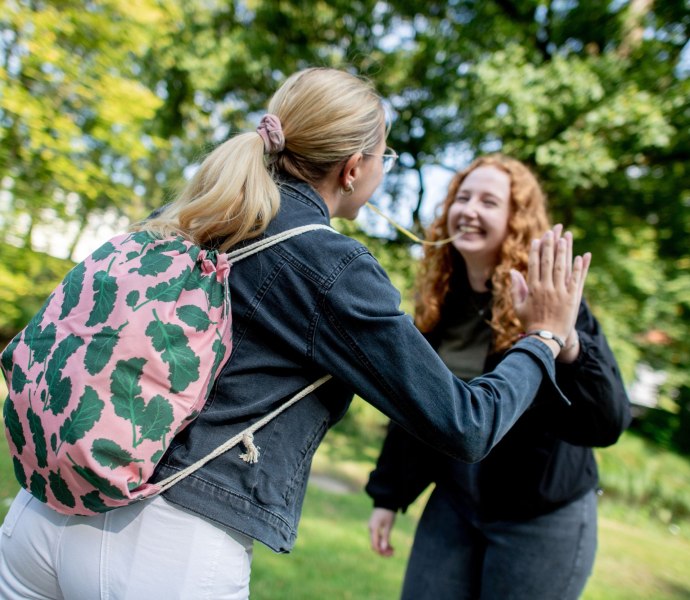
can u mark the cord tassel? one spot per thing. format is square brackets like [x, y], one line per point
[251, 456]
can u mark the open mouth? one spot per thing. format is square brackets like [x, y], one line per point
[464, 229]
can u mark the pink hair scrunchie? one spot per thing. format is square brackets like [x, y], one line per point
[271, 132]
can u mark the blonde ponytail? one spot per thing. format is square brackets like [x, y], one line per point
[327, 115]
[230, 198]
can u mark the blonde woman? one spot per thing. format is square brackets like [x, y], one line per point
[521, 523]
[313, 305]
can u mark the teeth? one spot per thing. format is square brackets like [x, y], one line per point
[468, 229]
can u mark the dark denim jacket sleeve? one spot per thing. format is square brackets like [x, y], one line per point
[366, 341]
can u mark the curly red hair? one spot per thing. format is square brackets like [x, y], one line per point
[528, 220]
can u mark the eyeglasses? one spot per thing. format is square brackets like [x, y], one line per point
[388, 158]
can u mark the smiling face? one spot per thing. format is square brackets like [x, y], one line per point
[479, 215]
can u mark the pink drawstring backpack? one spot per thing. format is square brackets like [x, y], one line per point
[121, 357]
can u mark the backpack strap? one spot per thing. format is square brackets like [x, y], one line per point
[245, 436]
[238, 255]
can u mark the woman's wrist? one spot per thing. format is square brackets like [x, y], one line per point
[571, 350]
[550, 342]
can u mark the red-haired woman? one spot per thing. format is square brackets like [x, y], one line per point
[521, 523]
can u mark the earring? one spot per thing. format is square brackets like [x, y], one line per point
[347, 190]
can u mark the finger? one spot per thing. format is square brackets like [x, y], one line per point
[586, 261]
[518, 288]
[557, 233]
[533, 271]
[559, 267]
[569, 256]
[374, 538]
[547, 258]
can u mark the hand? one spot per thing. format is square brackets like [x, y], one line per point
[380, 526]
[550, 299]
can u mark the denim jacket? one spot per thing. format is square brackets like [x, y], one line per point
[317, 304]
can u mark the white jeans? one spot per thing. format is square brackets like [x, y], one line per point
[149, 550]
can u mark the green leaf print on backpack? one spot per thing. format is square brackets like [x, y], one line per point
[37, 486]
[109, 454]
[173, 344]
[59, 389]
[19, 472]
[60, 489]
[82, 419]
[93, 502]
[100, 348]
[105, 292]
[13, 425]
[151, 420]
[42, 343]
[104, 252]
[100, 483]
[156, 420]
[19, 379]
[39, 437]
[194, 317]
[72, 287]
[157, 260]
[6, 358]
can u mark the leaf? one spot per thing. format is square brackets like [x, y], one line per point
[60, 490]
[105, 292]
[39, 437]
[109, 454]
[82, 419]
[19, 472]
[100, 483]
[194, 317]
[14, 425]
[154, 262]
[93, 502]
[33, 329]
[104, 252]
[132, 298]
[215, 290]
[42, 343]
[100, 349]
[56, 364]
[37, 487]
[168, 291]
[72, 287]
[219, 349]
[172, 343]
[7, 359]
[157, 455]
[19, 379]
[59, 396]
[158, 417]
[125, 389]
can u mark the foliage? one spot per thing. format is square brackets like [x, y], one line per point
[104, 108]
[28, 278]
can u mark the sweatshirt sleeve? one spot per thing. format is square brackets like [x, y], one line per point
[404, 469]
[600, 409]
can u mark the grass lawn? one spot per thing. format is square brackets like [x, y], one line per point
[637, 560]
[639, 557]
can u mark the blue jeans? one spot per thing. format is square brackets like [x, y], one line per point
[457, 556]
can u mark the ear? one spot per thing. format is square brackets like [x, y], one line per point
[350, 171]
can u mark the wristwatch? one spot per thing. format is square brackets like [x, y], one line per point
[547, 335]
